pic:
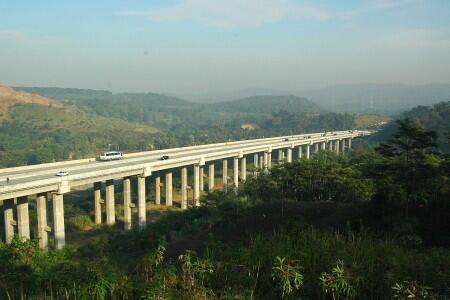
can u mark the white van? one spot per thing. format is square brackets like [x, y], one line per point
[111, 155]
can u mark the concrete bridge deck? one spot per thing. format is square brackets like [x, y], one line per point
[41, 180]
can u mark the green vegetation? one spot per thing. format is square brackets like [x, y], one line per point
[36, 134]
[434, 118]
[332, 227]
[92, 121]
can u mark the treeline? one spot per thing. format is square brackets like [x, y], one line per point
[373, 225]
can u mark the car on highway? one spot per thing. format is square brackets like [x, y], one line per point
[62, 173]
[111, 155]
[164, 157]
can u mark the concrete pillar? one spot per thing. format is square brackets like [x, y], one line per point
[269, 160]
[8, 216]
[330, 145]
[197, 185]
[42, 232]
[337, 146]
[202, 185]
[255, 160]
[58, 221]
[300, 152]
[243, 169]
[168, 184]
[23, 218]
[224, 172]
[184, 194]
[324, 144]
[211, 177]
[349, 143]
[236, 172]
[265, 160]
[142, 203]
[261, 161]
[127, 203]
[97, 203]
[157, 190]
[110, 203]
[289, 155]
[316, 147]
[343, 146]
[280, 155]
[307, 151]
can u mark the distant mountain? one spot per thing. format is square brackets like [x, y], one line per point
[269, 104]
[436, 118]
[378, 98]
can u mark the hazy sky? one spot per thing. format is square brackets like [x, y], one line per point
[215, 46]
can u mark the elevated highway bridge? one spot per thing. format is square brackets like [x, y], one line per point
[20, 184]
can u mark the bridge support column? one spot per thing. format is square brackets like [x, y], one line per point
[280, 155]
[8, 217]
[343, 145]
[168, 184]
[110, 203]
[224, 172]
[97, 203]
[243, 169]
[236, 172]
[23, 218]
[127, 203]
[158, 190]
[142, 203]
[184, 195]
[289, 155]
[330, 145]
[337, 146]
[202, 185]
[261, 161]
[307, 151]
[255, 161]
[269, 160]
[316, 147]
[300, 152]
[58, 221]
[349, 143]
[324, 144]
[41, 203]
[265, 160]
[211, 177]
[197, 185]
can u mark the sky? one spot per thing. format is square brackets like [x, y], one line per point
[194, 47]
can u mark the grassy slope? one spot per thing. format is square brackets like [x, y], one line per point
[35, 133]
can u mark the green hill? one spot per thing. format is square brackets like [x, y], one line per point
[435, 118]
[269, 104]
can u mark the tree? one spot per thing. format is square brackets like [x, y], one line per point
[409, 164]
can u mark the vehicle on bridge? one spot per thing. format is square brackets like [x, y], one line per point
[111, 155]
[164, 157]
[62, 173]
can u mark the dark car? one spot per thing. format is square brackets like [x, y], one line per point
[164, 157]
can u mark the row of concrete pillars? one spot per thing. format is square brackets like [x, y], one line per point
[21, 226]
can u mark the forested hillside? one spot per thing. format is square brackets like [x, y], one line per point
[435, 118]
[82, 123]
[268, 104]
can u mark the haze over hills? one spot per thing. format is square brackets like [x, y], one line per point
[378, 98]
[388, 99]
